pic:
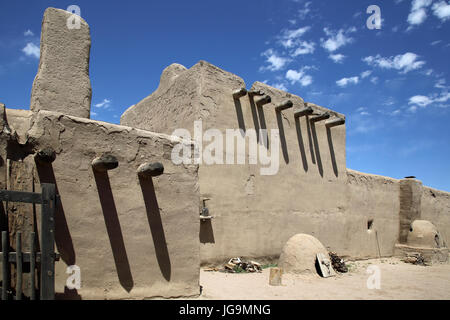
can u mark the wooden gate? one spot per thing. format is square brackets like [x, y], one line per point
[41, 263]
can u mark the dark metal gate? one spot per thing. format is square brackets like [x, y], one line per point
[41, 263]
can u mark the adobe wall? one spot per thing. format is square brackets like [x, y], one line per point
[372, 215]
[255, 214]
[123, 232]
[353, 213]
[435, 207]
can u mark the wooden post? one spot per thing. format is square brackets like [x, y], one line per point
[48, 242]
[32, 266]
[19, 274]
[5, 265]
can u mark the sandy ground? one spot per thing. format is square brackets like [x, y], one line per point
[398, 280]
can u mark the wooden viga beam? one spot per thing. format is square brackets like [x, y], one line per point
[320, 117]
[104, 163]
[264, 100]
[286, 104]
[253, 93]
[239, 93]
[334, 122]
[303, 112]
[45, 156]
[148, 170]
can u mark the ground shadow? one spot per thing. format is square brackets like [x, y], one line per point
[206, 232]
[282, 136]
[156, 226]
[333, 157]
[239, 115]
[63, 239]
[300, 144]
[316, 148]
[68, 294]
[114, 230]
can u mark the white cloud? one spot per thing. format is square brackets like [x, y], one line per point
[346, 81]
[421, 101]
[296, 33]
[418, 12]
[363, 111]
[374, 80]
[440, 84]
[441, 10]
[419, 4]
[436, 42]
[28, 33]
[336, 39]
[104, 104]
[304, 47]
[337, 58]
[412, 109]
[275, 62]
[302, 13]
[299, 76]
[280, 86]
[444, 97]
[31, 50]
[290, 39]
[365, 74]
[402, 62]
[417, 17]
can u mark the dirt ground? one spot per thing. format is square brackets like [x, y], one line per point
[398, 280]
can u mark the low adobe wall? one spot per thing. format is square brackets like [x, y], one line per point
[373, 215]
[435, 207]
[131, 238]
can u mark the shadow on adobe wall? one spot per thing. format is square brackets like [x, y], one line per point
[316, 148]
[63, 240]
[114, 230]
[156, 227]
[301, 146]
[333, 157]
[239, 115]
[206, 234]
[282, 137]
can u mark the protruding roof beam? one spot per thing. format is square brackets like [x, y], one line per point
[148, 170]
[252, 93]
[320, 117]
[45, 156]
[334, 122]
[104, 163]
[303, 112]
[239, 93]
[264, 100]
[284, 105]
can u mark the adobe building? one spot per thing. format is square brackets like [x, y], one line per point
[138, 236]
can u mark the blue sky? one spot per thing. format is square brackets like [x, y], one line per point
[391, 83]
